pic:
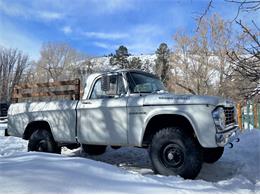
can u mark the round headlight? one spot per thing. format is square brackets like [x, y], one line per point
[219, 117]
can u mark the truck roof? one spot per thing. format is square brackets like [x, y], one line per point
[94, 75]
[126, 70]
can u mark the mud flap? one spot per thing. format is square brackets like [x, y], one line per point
[6, 133]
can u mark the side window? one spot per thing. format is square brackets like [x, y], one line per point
[116, 88]
[97, 92]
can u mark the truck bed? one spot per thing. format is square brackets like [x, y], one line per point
[21, 114]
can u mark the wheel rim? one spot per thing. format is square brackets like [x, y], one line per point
[172, 156]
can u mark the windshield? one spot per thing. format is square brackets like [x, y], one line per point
[144, 83]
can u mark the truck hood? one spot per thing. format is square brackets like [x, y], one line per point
[167, 98]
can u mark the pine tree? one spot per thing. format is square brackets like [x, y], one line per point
[162, 63]
[147, 66]
[120, 58]
[135, 63]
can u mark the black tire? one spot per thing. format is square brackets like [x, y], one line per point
[174, 152]
[94, 149]
[41, 140]
[212, 155]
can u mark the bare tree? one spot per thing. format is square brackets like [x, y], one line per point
[200, 63]
[245, 6]
[58, 61]
[245, 60]
[204, 14]
[244, 57]
[12, 65]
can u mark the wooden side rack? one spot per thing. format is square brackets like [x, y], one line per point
[69, 88]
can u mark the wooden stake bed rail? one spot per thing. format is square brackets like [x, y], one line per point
[49, 89]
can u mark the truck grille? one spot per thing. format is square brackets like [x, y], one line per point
[230, 115]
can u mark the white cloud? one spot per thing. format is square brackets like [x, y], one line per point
[139, 39]
[147, 30]
[111, 6]
[108, 36]
[12, 10]
[105, 45]
[30, 13]
[47, 15]
[66, 30]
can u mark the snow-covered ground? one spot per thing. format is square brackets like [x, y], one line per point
[126, 170]
[3, 126]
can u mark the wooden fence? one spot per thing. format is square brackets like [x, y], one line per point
[248, 115]
[50, 89]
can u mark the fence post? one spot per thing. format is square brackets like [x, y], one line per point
[77, 89]
[258, 105]
[258, 114]
[247, 114]
[255, 115]
[15, 93]
[239, 116]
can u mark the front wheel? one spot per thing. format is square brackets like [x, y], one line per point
[41, 140]
[174, 152]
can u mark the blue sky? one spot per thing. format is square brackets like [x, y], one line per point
[98, 27]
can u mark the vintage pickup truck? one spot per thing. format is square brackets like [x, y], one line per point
[131, 108]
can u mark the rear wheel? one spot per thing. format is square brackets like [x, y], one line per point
[41, 140]
[94, 149]
[174, 152]
[212, 155]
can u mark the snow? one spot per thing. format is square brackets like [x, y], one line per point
[3, 126]
[126, 170]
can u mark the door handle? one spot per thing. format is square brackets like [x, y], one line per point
[87, 102]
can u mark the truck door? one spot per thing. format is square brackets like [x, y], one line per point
[102, 118]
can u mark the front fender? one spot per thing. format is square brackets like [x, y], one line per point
[199, 117]
[167, 111]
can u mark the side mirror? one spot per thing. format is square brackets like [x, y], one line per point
[105, 83]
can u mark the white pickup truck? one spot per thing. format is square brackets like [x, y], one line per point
[131, 108]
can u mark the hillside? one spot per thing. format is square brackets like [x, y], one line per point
[102, 63]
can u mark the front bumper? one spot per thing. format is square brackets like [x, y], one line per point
[224, 138]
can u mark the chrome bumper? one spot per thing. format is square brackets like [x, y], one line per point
[227, 137]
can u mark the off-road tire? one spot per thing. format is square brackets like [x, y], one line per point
[42, 140]
[212, 155]
[94, 149]
[175, 152]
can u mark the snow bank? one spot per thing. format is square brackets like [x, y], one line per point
[238, 171]
[10, 145]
